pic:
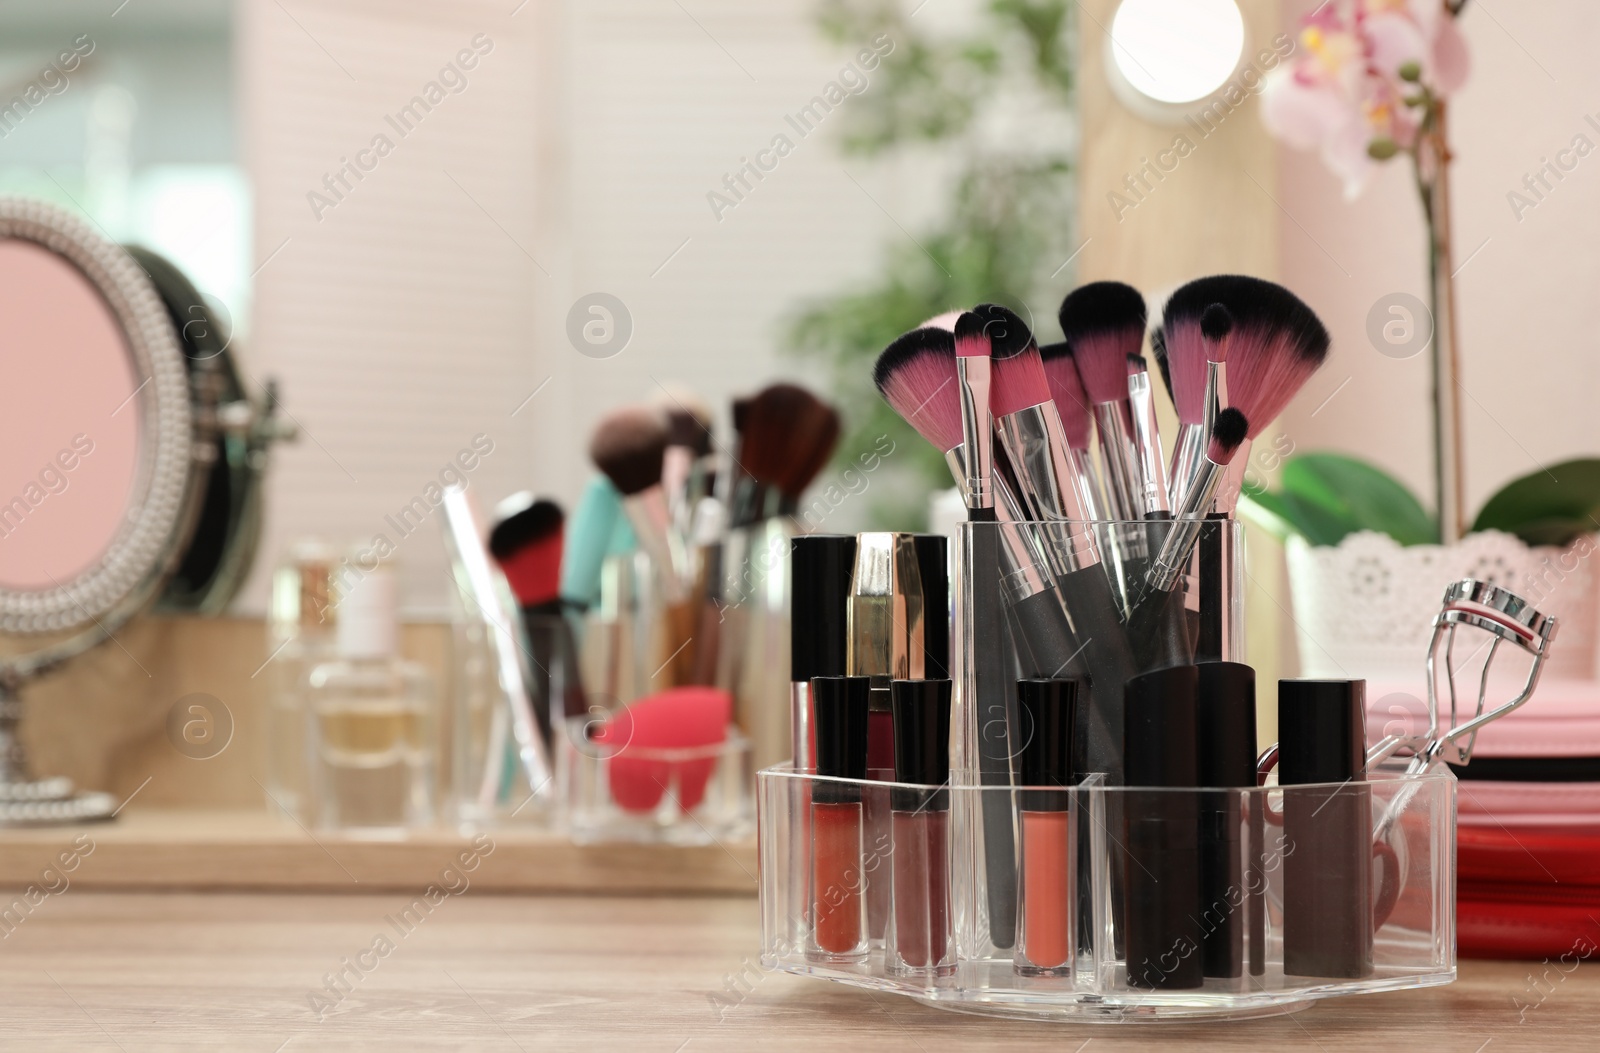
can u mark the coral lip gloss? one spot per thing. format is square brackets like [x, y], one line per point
[1046, 920]
[838, 908]
[919, 941]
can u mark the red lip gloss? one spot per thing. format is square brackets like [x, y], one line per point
[1046, 940]
[838, 909]
[919, 940]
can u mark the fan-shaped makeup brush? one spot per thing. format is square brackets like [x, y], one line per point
[1273, 345]
[1072, 405]
[789, 436]
[1103, 323]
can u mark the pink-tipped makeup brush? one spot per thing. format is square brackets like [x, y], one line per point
[1271, 341]
[1103, 323]
[1030, 430]
[1072, 405]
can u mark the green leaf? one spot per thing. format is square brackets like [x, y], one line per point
[1548, 507]
[1360, 496]
[1324, 497]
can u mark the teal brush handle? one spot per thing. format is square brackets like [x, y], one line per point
[588, 540]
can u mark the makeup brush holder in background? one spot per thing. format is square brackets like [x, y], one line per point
[1336, 889]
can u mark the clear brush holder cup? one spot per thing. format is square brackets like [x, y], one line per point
[630, 793]
[1198, 903]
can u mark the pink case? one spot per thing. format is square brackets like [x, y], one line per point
[1562, 719]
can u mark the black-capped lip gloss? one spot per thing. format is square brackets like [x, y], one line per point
[921, 943]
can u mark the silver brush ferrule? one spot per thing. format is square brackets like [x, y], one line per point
[1147, 444]
[1116, 450]
[1187, 454]
[1170, 563]
[1036, 447]
[973, 373]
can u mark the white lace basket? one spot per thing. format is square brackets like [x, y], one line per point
[1365, 607]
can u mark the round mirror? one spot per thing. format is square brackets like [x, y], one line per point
[98, 449]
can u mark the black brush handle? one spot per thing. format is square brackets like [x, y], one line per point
[994, 716]
[1214, 593]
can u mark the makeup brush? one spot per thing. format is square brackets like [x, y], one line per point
[1147, 441]
[526, 540]
[1193, 346]
[629, 446]
[790, 434]
[1273, 346]
[586, 544]
[1159, 625]
[1030, 427]
[1072, 404]
[688, 445]
[919, 377]
[1103, 323]
[745, 498]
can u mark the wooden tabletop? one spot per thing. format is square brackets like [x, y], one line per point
[92, 970]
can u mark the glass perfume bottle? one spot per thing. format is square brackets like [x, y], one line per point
[371, 721]
[300, 624]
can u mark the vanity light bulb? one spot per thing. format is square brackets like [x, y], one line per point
[1176, 51]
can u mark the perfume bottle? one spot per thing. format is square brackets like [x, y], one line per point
[371, 721]
[300, 624]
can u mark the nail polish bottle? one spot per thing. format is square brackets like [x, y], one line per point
[1046, 920]
[919, 939]
[838, 932]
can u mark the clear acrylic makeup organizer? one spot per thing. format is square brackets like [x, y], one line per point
[1410, 859]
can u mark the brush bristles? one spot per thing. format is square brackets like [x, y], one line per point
[1186, 369]
[1215, 324]
[685, 427]
[1066, 390]
[628, 446]
[972, 336]
[1102, 361]
[1158, 349]
[538, 521]
[917, 377]
[1266, 369]
[1136, 364]
[785, 427]
[1275, 344]
[1018, 382]
[1101, 307]
[1231, 429]
[1009, 335]
[810, 450]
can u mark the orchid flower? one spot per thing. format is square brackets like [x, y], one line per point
[1367, 78]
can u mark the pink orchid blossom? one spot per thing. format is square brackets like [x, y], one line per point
[1346, 94]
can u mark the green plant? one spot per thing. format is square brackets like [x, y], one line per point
[1323, 497]
[1006, 226]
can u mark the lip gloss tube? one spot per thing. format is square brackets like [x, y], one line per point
[838, 932]
[919, 939]
[1046, 920]
[1161, 831]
